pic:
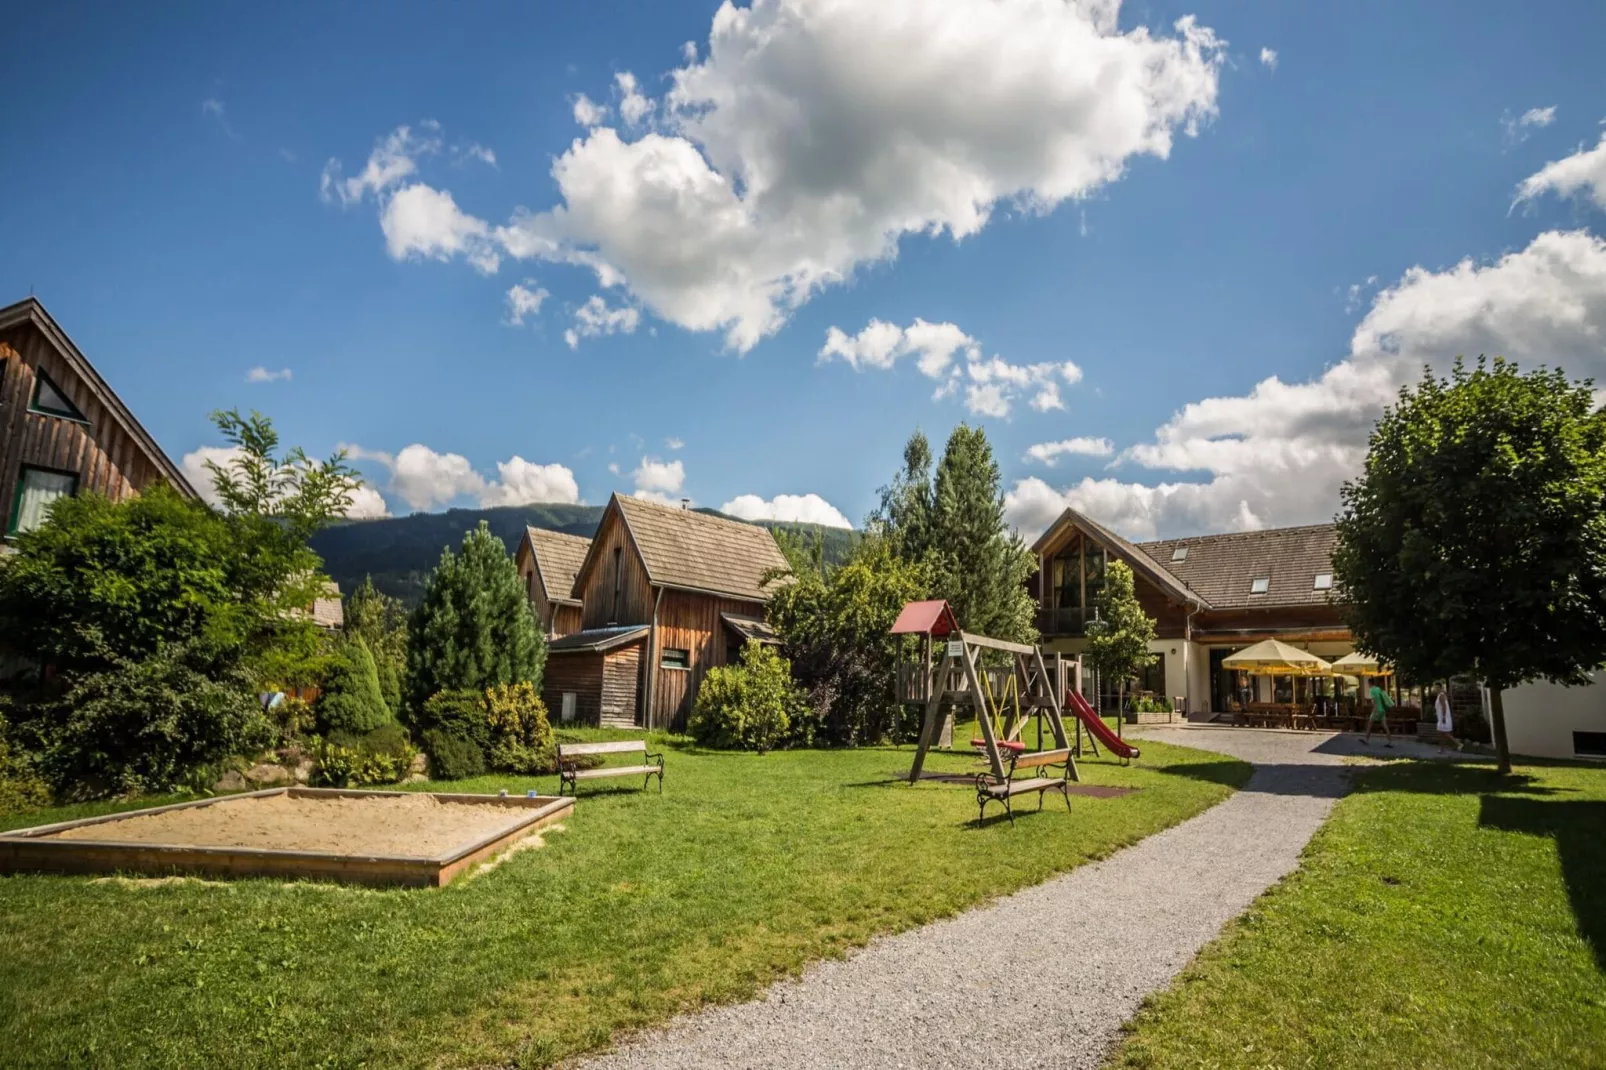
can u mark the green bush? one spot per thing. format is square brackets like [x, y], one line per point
[351, 700]
[1151, 705]
[749, 706]
[521, 734]
[349, 760]
[21, 787]
[143, 726]
[292, 719]
[452, 757]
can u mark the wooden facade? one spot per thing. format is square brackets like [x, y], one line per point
[605, 685]
[558, 611]
[102, 447]
[622, 585]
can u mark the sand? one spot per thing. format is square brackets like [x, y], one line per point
[409, 826]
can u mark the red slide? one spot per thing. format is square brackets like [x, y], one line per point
[1098, 729]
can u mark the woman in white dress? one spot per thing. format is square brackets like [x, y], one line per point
[1441, 706]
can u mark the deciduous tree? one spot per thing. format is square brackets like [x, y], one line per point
[1475, 538]
[1118, 640]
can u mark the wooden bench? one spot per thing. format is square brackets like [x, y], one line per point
[570, 774]
[990, 789]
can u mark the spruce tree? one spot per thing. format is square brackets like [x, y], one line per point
[380, 621]
[351, 700]
[475, 627]
[982, 566]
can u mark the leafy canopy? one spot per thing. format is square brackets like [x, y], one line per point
[1118, 641]
[256, 481]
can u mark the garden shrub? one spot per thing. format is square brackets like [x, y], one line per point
[452, 757]
[21, 787]
[749, 706]
[521, 734]
[351, 700]
[349, 760]
[292, 719]
[143, 726]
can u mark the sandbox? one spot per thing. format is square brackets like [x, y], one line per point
[366, 837]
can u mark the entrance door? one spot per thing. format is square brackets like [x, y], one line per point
[1221, 680]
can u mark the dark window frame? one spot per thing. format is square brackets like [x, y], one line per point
[22, 485]
[667, 659]
[1589, 744]
[40, 380]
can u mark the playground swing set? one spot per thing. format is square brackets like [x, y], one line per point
[1033, 687]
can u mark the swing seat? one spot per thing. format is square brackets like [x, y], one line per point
[1003, 744]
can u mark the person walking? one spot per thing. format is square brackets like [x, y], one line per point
[1380, 714]
[1446, 727]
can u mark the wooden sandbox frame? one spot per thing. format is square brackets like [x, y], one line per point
[31, 850]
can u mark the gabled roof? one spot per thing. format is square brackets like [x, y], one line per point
[697, 552]
[1144, 564]
[1223, 568]
[750, 628]
[558, 558]
[29, 310]
[933, 617]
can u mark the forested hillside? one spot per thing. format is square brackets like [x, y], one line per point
[399, 552]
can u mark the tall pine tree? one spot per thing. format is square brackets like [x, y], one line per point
[475, 627]
[982, 566]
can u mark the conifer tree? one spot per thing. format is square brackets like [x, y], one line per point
[982, 566]
[351, 700]
[475, 627]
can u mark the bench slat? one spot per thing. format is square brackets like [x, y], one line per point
[1020, 787]
[1048, 757]
[619, 770]
[623, 746]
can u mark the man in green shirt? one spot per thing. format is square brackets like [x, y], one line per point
[1380, 714]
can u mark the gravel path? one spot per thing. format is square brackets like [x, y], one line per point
[1047, 975]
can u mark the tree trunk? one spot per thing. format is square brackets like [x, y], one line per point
[1497, 724]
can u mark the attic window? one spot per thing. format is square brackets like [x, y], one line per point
[48, 399]
[1259, 584]
[1179, 554]
[1324, 582]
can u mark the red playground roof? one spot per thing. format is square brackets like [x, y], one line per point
[926, 618]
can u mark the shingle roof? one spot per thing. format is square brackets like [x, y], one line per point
[682, 548]
[750, 628]
[558, 557]
[1144, 564]
[1222, 568]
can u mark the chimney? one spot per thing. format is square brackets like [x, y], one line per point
[685, 504]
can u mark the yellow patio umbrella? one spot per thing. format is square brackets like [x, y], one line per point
[1357, 664]
[1273, 658]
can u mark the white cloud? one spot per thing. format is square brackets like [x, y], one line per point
[613, 466]
[594, 319]
[524, 299]
[1277, 455]
[688, 52]
[790, 508]
[1584, 172]
[634, 107]
[798, 149]
[425, 222]
[367, 504]
[1540, 117]
[424, 478]
[1518, 128]
[523, 482]
[214, 107]
[674, 443]
[475, 151]
[991, 385]
[880, 344]
[260, 374]
[588, 112]
[659, 481]
[1049, 453]
[393, 160]
[1268, 58]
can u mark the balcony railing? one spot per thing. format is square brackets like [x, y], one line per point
[1063, 621]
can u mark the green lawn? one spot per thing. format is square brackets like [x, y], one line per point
[745, 869]
[1441, 918]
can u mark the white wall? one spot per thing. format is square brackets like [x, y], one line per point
[1541, 718]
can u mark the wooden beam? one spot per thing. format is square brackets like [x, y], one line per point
[996, 644]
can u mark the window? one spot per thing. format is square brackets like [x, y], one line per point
[48, 399]
[1259, 584]
[1179, 554]
[36, 489]
[1324, 581]
[618, 576]
[1589, 744]
[676, 659]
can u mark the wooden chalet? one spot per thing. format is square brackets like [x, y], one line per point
[1209, 596]
[666, 594]
[548, 562]
[62, 429]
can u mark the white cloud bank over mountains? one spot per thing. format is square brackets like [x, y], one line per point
[1278, 454]
[795, 152]
[791, 508]
[425, 479]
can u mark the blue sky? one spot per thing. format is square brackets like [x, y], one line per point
[1199, 268]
